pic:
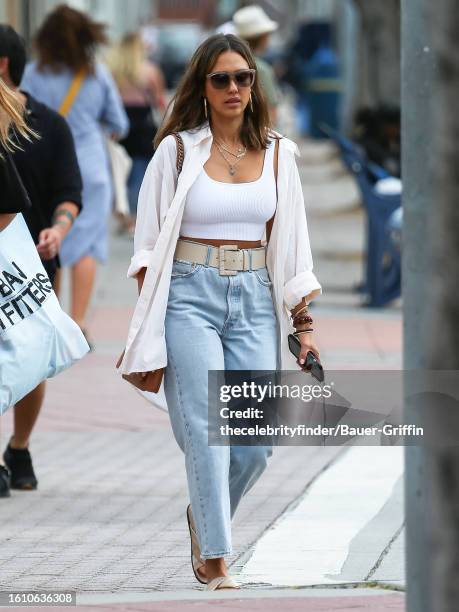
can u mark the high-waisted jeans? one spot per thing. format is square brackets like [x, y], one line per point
[215, 322]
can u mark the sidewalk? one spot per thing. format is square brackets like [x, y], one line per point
[108, 519]
[267, 601]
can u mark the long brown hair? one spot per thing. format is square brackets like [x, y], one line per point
[188, 111]
[11, 118]
[68, 39]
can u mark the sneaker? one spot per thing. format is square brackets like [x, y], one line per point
[19, 463]
[4, 482]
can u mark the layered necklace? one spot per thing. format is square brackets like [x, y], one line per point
[241, 152]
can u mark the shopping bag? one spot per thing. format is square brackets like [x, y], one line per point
[37, 338]
[121, 165]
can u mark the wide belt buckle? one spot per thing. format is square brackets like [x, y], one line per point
[221, 259]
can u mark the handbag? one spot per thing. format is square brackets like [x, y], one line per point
[121, 165]
[37, 338]
[151, 381]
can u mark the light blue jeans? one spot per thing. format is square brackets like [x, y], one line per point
[215, 322]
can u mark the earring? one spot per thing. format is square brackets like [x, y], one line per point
[205, 108]
[250, 102]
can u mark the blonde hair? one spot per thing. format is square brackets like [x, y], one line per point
[126, 59]
[11, 115]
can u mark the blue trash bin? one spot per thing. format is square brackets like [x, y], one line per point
[322, 90]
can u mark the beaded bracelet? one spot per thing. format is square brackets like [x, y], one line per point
[304, 319]
[300, 320]
[302, 312]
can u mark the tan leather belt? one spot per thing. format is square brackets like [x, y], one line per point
[227, 258]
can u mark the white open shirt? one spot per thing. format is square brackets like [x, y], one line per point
[159, 216]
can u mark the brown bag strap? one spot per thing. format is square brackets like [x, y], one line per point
[180, 151]
[269, 224]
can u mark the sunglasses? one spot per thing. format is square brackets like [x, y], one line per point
[242, 78]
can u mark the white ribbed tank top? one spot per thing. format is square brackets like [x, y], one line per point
[231, 211]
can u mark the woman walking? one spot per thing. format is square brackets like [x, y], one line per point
[67, 78]
[214, 295]
[141, 86]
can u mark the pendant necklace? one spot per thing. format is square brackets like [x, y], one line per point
[241, 151]
[232, 166]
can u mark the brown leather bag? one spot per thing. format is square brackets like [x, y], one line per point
[151, 381]
[145, 381]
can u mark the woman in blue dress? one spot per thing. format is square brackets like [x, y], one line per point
[65, 45]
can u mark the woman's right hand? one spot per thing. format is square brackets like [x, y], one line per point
[307, 344]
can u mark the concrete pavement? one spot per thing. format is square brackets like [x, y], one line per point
[108, 518]
[317, 600]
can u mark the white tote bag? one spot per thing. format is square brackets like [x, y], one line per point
[121, 165]
[37, 338]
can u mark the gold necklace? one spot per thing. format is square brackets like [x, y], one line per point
[241, 151]
[232, 167]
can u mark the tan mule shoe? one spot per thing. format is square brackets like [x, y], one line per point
[196, 561]
[222, 582]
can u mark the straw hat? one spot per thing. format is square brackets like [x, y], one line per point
[252, 21]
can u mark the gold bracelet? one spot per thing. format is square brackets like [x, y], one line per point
[299, 311]
[306, 305]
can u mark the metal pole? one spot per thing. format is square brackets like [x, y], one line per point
[442, 344]
[417, 78]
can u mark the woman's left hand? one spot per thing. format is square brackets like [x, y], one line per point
[307, 344]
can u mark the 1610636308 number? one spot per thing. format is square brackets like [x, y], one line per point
[31, 598]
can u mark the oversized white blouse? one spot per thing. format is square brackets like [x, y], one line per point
[159, 215]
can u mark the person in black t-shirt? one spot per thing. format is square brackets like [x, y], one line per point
[14, 197]
[50, 173]
[48, 166]
[49, 170]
